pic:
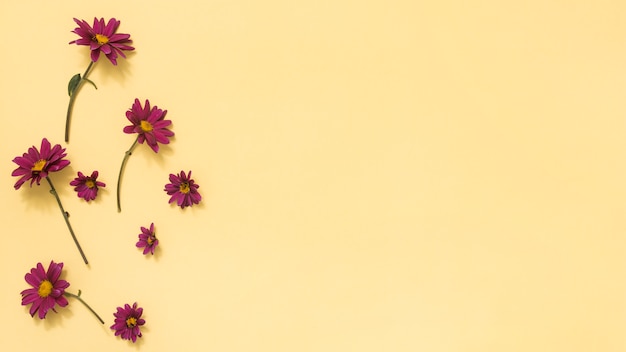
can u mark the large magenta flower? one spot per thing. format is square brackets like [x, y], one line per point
[87, 186]
[47, 289]
[147, 240]
[183, 190]
[36, 164]
[99, 38]
[102, 38]
[150, 126]
[149, 123]
[127, 322]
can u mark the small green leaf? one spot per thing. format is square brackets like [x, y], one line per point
[90, 81]
[73, 84]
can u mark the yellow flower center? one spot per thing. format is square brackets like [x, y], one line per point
[146, 126]
[131, 322]
[150, 240]
[44, 289]
[184, 188]
[89, 183]
[102, 39]
[38, 166]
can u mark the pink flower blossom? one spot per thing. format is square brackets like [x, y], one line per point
[102, 38]
[47, 290]
[183, 190]
[147, 240]
[128, 322]
[36, 164]
[87, 186]
[149, 123]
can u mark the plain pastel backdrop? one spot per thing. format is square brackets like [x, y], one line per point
[376, 175]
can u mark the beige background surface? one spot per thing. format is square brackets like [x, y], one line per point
[377, 175]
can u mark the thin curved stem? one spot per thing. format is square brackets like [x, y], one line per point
[128, 153]
[70, 106]
[77, 296]
[67, 220]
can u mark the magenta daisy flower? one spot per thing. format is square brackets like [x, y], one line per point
[127, 322]
[148, 240]
[47, 289]
[87, 186]
[149, 124]
[36, 164]
[102, 38]
[183, 190]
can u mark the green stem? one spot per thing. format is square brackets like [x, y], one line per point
[128, 153]
[72, 98]
[68, 294]
[67, 220]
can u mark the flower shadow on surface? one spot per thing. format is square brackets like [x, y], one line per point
[52, 321]
[140, 341]
[157, 254]
[57, 321]
[38, 197]
[159, 159]
[118, 74]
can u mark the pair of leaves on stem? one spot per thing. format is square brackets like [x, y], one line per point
[75, 82]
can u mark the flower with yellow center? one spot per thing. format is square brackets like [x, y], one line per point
[128, 322]
[87, 186]
[146, 126]
[151, 127]
[101, 39]
[47, 291]
[38, 166]
[184, 188]
[147, 240]
[45, 288]
[131, 322]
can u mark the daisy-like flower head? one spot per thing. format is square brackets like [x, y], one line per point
[102, 38]
[87, 186]
[127, 322]
[183, 190]
[149, 123]
[47, 290]
[148, 240]
[36, 164]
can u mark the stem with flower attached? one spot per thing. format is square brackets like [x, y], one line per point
[73, 90]
[67, 220]
[77, 296]
[128, 153]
